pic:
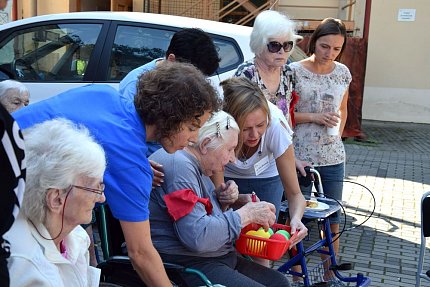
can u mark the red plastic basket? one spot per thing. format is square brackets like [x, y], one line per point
[271, 249]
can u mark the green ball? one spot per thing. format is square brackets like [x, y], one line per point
[284, 232]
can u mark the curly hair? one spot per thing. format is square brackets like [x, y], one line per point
[194, 46]
[174, 93]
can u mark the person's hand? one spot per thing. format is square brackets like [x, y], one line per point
[298, 228]
[227, 193]
[329, 119]
[300, 166]
[157, 170]
[263, 213]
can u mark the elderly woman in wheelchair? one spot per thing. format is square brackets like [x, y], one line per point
[65, 169]
[194, 225]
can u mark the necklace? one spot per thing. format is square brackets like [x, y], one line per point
[243, 156]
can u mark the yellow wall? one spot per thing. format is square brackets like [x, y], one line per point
[397, 84]
[310, 9]
[58, 6]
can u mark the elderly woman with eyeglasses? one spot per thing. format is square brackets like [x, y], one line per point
[193, 224]
[272, 40]
[65, 169]
[13, 95]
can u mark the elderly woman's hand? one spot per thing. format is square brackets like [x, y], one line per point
[157, 170]
[227, 194]
[263, 213]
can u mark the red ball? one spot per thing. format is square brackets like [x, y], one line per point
[278, 236]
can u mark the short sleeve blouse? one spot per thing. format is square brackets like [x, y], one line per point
[319, 93]
[282, 98]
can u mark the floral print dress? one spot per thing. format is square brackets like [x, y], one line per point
[319, 93]
[282, 98]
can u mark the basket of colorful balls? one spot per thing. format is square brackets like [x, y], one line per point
[271, 244]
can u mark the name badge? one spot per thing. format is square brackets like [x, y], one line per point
[261, 165]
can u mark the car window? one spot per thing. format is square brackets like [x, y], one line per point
[135, 46]
[58, 52]
[229, 53]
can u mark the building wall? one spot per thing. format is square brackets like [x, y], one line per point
[397, 85]
[59, 6]
[204, 9]
[310, 9]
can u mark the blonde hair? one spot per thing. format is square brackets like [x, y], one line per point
[242, 97]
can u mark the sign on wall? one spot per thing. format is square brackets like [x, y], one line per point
[406, 15]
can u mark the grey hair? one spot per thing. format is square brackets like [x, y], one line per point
[57, 153]
[7, 85]
[216, 129]
[271, 24]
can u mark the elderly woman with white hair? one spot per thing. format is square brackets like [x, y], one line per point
[65, 169]
[193, 224]
[13, 95]
[272, 40]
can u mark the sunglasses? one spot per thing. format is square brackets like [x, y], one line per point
[275, 47]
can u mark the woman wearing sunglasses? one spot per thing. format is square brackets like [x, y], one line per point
[65, 169]
[272, 40]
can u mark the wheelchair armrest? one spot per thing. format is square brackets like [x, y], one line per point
[173, 266]
[115, 261]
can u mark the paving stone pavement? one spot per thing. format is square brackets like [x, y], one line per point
[395, 166]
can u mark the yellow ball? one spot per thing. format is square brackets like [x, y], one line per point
[256, 246]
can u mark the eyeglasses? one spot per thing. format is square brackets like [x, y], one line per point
[99, 192]
[275, 47]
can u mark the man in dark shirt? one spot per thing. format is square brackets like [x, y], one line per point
[12, 184]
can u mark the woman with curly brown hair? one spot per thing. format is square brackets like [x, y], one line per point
[172, 103]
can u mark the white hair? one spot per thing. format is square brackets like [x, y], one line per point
[216, 129]
[271, 24]
[57, 153]
[7, 85]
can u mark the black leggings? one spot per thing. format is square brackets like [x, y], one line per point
[230, 270]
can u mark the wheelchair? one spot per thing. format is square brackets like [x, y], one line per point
[116, 268]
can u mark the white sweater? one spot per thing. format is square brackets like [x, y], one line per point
[35, 261]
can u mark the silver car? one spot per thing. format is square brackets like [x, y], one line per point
[53, 53]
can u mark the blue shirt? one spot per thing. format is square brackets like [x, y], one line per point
[128, 85]
[114, 123]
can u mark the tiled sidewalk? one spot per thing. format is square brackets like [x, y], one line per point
[395, 166]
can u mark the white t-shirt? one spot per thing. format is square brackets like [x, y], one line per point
[274, 142]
